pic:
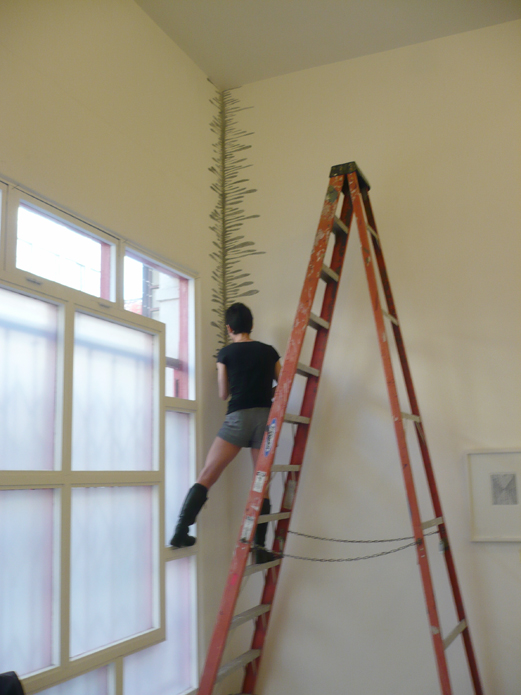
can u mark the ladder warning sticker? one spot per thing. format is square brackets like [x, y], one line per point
[258, 483]
[270, 434]
[247, 529]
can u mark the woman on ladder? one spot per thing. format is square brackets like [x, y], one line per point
[246, 369]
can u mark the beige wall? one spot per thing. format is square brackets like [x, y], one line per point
[436, 129]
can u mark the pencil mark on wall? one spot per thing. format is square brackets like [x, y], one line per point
[230, 282]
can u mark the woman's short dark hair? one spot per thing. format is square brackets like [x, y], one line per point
[239, 318]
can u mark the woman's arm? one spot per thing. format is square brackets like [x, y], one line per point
[222, 381]
[276, 377]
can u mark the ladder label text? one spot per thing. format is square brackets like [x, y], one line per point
[247, 529]
[270, 434]
[258, 483]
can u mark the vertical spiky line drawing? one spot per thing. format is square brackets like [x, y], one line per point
[228, 217]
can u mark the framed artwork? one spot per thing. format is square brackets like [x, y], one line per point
[495, 495]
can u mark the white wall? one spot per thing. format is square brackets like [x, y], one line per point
[101, 113]
[436, 129]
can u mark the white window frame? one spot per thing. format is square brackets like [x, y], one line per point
[70, 301]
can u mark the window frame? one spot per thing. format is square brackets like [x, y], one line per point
[62, 480]
[17, 198]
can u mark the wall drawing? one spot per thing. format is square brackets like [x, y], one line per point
[230, 282]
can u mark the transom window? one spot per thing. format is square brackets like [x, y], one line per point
[53, 250]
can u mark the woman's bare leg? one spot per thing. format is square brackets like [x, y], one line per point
[221, 453]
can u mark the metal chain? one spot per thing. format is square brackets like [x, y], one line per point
[343, 559]
[343, 540]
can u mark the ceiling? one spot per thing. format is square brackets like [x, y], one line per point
[236, 42]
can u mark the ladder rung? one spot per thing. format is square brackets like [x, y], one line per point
[284, 469]
[391, 318]
[252, 569]
[296, 419]
[265, 518]
[457, 631]
[410, 416]
[432, 522]
[239, 662]
[372, 231]
[327, 274]
[305, 370]
[339, 227]
[317, 322]
[250, 614]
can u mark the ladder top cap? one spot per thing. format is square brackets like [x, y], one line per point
[349, 168]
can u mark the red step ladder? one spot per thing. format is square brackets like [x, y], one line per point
[347, 183]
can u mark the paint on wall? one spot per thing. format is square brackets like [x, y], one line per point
[231, 284]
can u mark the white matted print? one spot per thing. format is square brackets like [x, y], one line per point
[495, 495]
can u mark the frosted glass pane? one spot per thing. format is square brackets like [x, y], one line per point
[168, 668]
[26, 579]
[27, 382]
[93, 683]
[113, 404]
[111, 565]
[177, 466]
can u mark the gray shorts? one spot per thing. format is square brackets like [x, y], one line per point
[245, 428]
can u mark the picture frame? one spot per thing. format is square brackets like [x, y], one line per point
[495, 495]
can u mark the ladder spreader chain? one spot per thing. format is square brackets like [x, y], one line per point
[347, 540]
[342, 540]
[344, 559]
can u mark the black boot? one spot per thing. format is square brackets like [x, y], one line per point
[260, 554]
[196, 497]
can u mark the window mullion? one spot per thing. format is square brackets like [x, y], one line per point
[11, 217]
[3, 224]
[64, 417]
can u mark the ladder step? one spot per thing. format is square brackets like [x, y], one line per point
[250, 614]
[296, 419]
[305, 370]
[265, 518]
[339, 227]
[410, 416]
[316, 322]
[457, 631]
[327, 274]
[432, 522]
[239, 662]
[284, 469]
[391, 318]
[252, 569]
[372, 231]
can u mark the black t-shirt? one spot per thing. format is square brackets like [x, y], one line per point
[251, 369]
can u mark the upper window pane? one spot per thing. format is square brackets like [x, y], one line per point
[28, 338]
[178, 464]
[56, 251]
[113, 403]
[151, 290]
